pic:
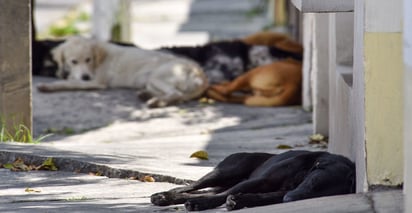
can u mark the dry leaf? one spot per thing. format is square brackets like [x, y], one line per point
[32, 190]
[317, 138]
[18, 165]
[205, 100]
[283, 146]
[148, 178]
[95, 173]
[200, 155]
[8, 166]
[48, 164]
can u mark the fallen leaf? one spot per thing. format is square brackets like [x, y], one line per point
[206, 100]
[8, 166]
[32, 190]
[283, 146]
[316, 138]
[95, 173]
[148, 178]
[203, 100]
[200, 155]
[48, 164]
[18, 165]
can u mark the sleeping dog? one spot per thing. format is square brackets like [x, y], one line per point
[91, 64]
[43, 63]
[42, 59]
[279, 40]
[226, 60]
[255, 179]
[275, 84]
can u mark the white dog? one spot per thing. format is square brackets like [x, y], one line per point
[89, 64]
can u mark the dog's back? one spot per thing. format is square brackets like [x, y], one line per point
[226, 60]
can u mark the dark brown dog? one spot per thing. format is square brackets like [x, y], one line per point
[275, 84]
[255, 179]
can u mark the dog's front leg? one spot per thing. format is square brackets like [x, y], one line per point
[65, 85]
[239, 201]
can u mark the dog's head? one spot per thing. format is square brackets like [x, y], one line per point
[221, 67]
[78, 58]
[259, 55]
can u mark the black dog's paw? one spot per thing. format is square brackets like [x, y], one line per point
[161, 199]
[193, 205]
[234, 202]
[203, 203]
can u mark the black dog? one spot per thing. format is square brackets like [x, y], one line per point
[226, 60]
[255, 179]
[42, 60]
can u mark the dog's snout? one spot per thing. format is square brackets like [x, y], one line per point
[85, 77]
[65, 74]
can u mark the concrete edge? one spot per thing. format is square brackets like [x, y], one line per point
[70, 165]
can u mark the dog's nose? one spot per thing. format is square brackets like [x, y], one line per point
[85, 77]
[65, 74]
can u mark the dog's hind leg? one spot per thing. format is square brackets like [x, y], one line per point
[289, 95]
[240, 83]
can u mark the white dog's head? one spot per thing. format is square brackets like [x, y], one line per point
[77, 58]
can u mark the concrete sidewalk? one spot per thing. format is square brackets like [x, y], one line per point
[132, 142]
[112, 134]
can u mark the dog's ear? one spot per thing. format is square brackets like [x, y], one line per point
[58, 57]
[99, 54]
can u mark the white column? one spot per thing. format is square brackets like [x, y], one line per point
[407, 55]
[110, 14]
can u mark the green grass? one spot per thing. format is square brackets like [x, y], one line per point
[67, 26]
[63, 131]
[19, 133]
[60, 31]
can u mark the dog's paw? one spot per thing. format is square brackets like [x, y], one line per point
[233, 202]
[45, 88]
[193, 205]
[155, 103]
[161, 199]
[203, 203]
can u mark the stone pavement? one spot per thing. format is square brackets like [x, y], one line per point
[110, 133]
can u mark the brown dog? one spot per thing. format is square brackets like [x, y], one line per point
[278, 40]
[275, 84]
